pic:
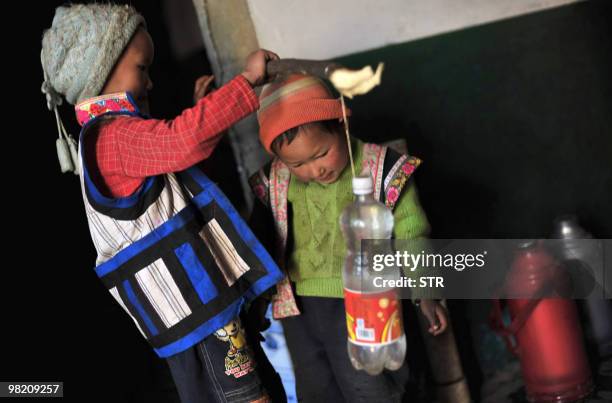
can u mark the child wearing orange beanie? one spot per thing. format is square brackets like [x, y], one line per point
[305, 188]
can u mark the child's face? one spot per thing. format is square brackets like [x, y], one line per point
[315, 155]
[131, 73]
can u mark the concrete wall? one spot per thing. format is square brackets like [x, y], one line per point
[321, 29]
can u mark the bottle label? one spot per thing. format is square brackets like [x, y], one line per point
[373, 318]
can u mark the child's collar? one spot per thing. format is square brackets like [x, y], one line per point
[94, 107]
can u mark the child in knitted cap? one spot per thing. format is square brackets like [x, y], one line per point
[306, 187]
[172, 251]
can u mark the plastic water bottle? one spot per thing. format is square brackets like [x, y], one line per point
[376, 337]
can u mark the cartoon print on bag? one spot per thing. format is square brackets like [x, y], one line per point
[238, 361]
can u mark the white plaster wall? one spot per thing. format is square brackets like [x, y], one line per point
[321, 29]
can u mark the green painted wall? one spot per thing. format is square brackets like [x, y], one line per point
[513, 120]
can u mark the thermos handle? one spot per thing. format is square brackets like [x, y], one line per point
[497, 324]
[509, 332]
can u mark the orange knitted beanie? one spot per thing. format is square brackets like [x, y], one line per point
[294, 101]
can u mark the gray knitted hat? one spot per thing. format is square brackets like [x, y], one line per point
[78, 54]
[82, 46]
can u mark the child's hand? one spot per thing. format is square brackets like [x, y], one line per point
[201, 87]
[435, 314]
[255, 69]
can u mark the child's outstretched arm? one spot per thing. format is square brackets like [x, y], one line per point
[138, 148]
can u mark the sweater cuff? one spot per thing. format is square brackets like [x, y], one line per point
[243, 86]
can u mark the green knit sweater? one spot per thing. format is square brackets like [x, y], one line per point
[315, 263]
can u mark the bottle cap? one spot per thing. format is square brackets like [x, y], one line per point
[362, 185]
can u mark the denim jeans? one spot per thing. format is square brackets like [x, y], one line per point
[227, 366]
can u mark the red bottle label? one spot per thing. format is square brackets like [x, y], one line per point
[373, 318]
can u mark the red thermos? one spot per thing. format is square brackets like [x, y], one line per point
[546, 328]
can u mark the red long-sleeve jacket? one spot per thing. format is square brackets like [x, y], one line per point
[127, 149]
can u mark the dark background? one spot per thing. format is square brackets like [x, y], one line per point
[513, 120]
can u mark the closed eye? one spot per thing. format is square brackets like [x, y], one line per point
[322, 155]
[314, 158]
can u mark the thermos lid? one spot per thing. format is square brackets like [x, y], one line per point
[566, 227]
[362, 185]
